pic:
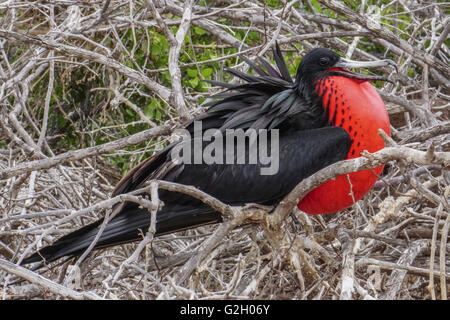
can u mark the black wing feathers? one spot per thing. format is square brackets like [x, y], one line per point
[279, 59]
[301, 154]
[268, 100]
[257, 98]
[264, 101]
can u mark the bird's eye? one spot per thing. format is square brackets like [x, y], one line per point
[324, 61]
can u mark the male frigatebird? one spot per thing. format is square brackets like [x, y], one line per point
[325, 115]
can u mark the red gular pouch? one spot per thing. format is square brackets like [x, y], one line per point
[354, 105]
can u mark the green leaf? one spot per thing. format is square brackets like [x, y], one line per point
[129, 64]
[148, 110]
[156, 50]
[62, 121]
[193, 82]
[192, 72]
[199, 31]
[207, 72]
[129, 112]
[316, 6]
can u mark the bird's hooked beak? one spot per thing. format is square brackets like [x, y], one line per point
[349, 64]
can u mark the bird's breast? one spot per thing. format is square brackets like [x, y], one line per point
[356, 107]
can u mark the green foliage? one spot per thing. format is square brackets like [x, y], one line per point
[316, 6]
[272, 3]
[153, 109]
[199, 31]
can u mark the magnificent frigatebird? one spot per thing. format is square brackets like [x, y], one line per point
[327, 114]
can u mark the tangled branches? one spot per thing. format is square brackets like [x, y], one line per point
[89, 89]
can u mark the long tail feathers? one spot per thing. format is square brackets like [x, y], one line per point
[126, 227]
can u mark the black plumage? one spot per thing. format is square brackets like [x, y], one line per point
[268, 100]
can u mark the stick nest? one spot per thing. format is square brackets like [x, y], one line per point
[78, 79]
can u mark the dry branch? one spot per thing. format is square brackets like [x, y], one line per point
[45, 283]
[68, 70]
[84, 153]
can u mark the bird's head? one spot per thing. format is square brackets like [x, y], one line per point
[321, 62]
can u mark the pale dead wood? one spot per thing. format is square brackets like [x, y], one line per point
[442, 255]
[53, 52]
[83, 153]
[396, 279]
[45, 283]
